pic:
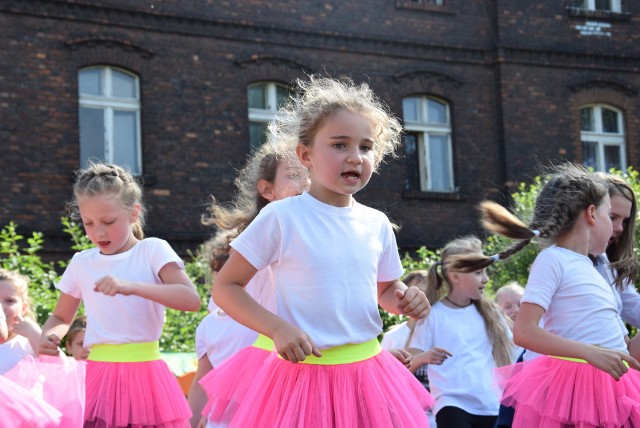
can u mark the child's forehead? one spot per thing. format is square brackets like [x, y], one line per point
[8, 288]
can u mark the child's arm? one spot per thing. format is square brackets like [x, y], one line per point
[58, 324]
[291, 343]
[30, 329]
[528, 334]
[397, 298]
[434, 355]
[176, 292]
[4, 331]
[197, 398]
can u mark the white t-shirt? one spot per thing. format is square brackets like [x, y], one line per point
[578, 303]
[219, 336]
[627, 300]
[119, 319]
[464, 380]
[14, 350]
[396, 337]
[326, 263]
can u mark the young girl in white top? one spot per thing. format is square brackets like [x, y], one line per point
[582, 378]
[20, 408]
[474, 333]
[272, 173]
[125, 282]
[333, 260]
[23, 331]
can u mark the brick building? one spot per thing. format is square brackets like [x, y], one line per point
[178, 90]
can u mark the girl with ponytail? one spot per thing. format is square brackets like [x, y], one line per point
[582, 376]
[466, 337]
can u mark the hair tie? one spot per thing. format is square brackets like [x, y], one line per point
[536, 233]
[495, 257]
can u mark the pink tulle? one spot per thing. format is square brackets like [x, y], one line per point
[59, 381]
[136, 395]
[227, 384]
[378, 392]
[551, 392]
[22, 409]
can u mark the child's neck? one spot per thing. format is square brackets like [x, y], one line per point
[575, 240]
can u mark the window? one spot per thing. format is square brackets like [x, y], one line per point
[602, 135]
[428, 126]
[110, 117]
[264, 100]
[605, 5]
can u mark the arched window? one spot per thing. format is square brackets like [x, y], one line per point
[110, 117]
[607, 5]
[264, 99]
[602, 136]
[428, 127]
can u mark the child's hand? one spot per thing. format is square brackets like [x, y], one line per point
[412, 302]
[437, 355]
[26, 327]
[202, 423]
[294, 344]
[403, 356]
[111, 286]
[49, 345]
[611, 361]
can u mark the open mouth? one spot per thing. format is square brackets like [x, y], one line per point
[351, 176]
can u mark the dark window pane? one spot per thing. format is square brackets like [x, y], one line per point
[91, 135]
[609, 121]
[603, 4]
[257, 133]
[282, 94]
[586, 119]
[436, 112]
[410, 110]
[89, 82]
[612, 157]
[590, 154]
[410, 143]
[125, 136]
[258, 96]
[124, 86]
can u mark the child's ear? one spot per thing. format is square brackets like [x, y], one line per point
[590, 212]
[302, 152]
[135, 213]
[266, 190]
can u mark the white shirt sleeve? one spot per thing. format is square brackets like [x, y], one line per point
[423, 335]
[544, 279]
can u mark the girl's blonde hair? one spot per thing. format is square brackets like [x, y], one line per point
[100, 178]
[512, 287]
[21, 283]
[569, 190]
[453, 254]
[621, 253]
[232, 219]
[320, 97]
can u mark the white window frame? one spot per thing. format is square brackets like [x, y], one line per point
[109, 104]
[424, 129]
[265, 115]
[603, 139]
[591, 5]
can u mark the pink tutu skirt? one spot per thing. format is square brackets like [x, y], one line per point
[58, 381]
[134, 394]
[375, 392]
[19, 408]
[552, 392]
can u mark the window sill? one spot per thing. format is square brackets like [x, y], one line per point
[443, 196]
[579, 12]
[424, 7]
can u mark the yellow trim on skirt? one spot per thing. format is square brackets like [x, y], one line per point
[580, 360]
[125, 352]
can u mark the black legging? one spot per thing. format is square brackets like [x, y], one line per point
[454, 417]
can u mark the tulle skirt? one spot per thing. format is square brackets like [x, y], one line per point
[58, 381]
[376, 392]
[21, 409]
[134, 394]
[552, 392]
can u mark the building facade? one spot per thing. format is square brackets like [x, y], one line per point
[179, 91]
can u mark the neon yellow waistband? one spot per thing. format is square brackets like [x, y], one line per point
[345, 354]
[263, 342]
[125, 352]
[579, 360]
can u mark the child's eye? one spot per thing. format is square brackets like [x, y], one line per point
[366, 148]
[109, 222]
[339, 145]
